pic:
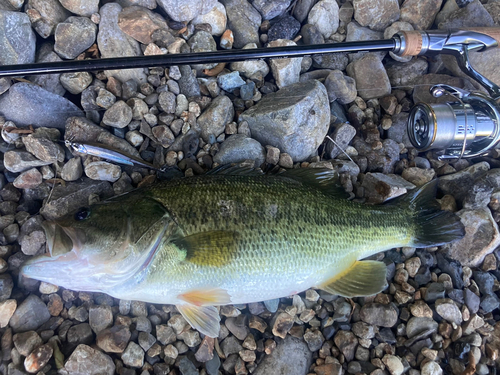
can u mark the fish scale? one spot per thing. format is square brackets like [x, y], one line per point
[271, 250]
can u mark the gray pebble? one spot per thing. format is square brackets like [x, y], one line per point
[75, 83]
[29, 315]
[118, 115]
[230, 81]
[133, 355]
[243, 20]
[22, 42]
[74, 36]
[188, 84]
[100, 317]
[46, 15]
[80, 334]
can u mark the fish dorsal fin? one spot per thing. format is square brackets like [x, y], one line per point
[205, 319]
[323, 179]
[363, 278]
[215, 248]
[235, 170]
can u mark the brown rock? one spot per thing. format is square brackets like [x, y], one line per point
[206, 350]
[481, 237]
[371, 77]
[282, 325]
[412, 265]
[164, 135]
[257, 323]
[347, 342]
[43, 149]
[329, 369]
[489, 263]
[389, 104]
[238, 326]
[114, 339]
[420, 13]
[28, 180]
[247, 355]
[85, 360]
[27, 341]
[421, 310]
[18, 161]
[418, 176]
[38, 358]
[55, 304]
[249, 343]
[140, 23]
[377, 15]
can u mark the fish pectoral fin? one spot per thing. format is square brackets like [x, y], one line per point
[205, 319]
[363, 278]
[215, 248]
[203, 297]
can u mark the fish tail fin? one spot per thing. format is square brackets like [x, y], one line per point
[433, 226]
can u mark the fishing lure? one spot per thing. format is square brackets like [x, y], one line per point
[109, 153]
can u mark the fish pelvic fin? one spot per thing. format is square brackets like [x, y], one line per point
[363, 278]
[433, 227]
[205, 319]
[203, 297]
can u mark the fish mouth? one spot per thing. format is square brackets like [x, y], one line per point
[62, 245]
[62, 239]
[58, 240]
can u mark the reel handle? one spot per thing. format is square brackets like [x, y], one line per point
[415, 40]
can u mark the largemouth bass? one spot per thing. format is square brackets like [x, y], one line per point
[236, 236]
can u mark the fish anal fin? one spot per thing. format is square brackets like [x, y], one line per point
[215, 248]
[363, 278]
[203, 297]
[205, 319]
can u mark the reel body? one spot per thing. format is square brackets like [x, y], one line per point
[469, 124]
[465, 127]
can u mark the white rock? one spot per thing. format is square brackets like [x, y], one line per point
[250, 68]
[113, 42]
[103, 171]
[325, 16]
[216, 18]
[394, 364]
[285, 71]
[7, 309]
[431, 368]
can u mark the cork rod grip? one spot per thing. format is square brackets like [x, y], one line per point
[413, 43]
[494, 32]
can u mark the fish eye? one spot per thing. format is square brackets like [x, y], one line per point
[82, 214]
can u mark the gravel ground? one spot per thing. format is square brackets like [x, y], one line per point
[440, 312]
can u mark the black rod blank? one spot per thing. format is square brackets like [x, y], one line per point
[222, 56]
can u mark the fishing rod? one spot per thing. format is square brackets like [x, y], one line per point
[468, 127]
[404, 43]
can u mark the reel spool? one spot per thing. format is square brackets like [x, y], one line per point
[466, 127]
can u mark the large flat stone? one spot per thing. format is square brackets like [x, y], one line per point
[295, 119]
[28, 104]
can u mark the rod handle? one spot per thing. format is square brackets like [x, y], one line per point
[414, 38]
[494, 32]
[413, 43]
